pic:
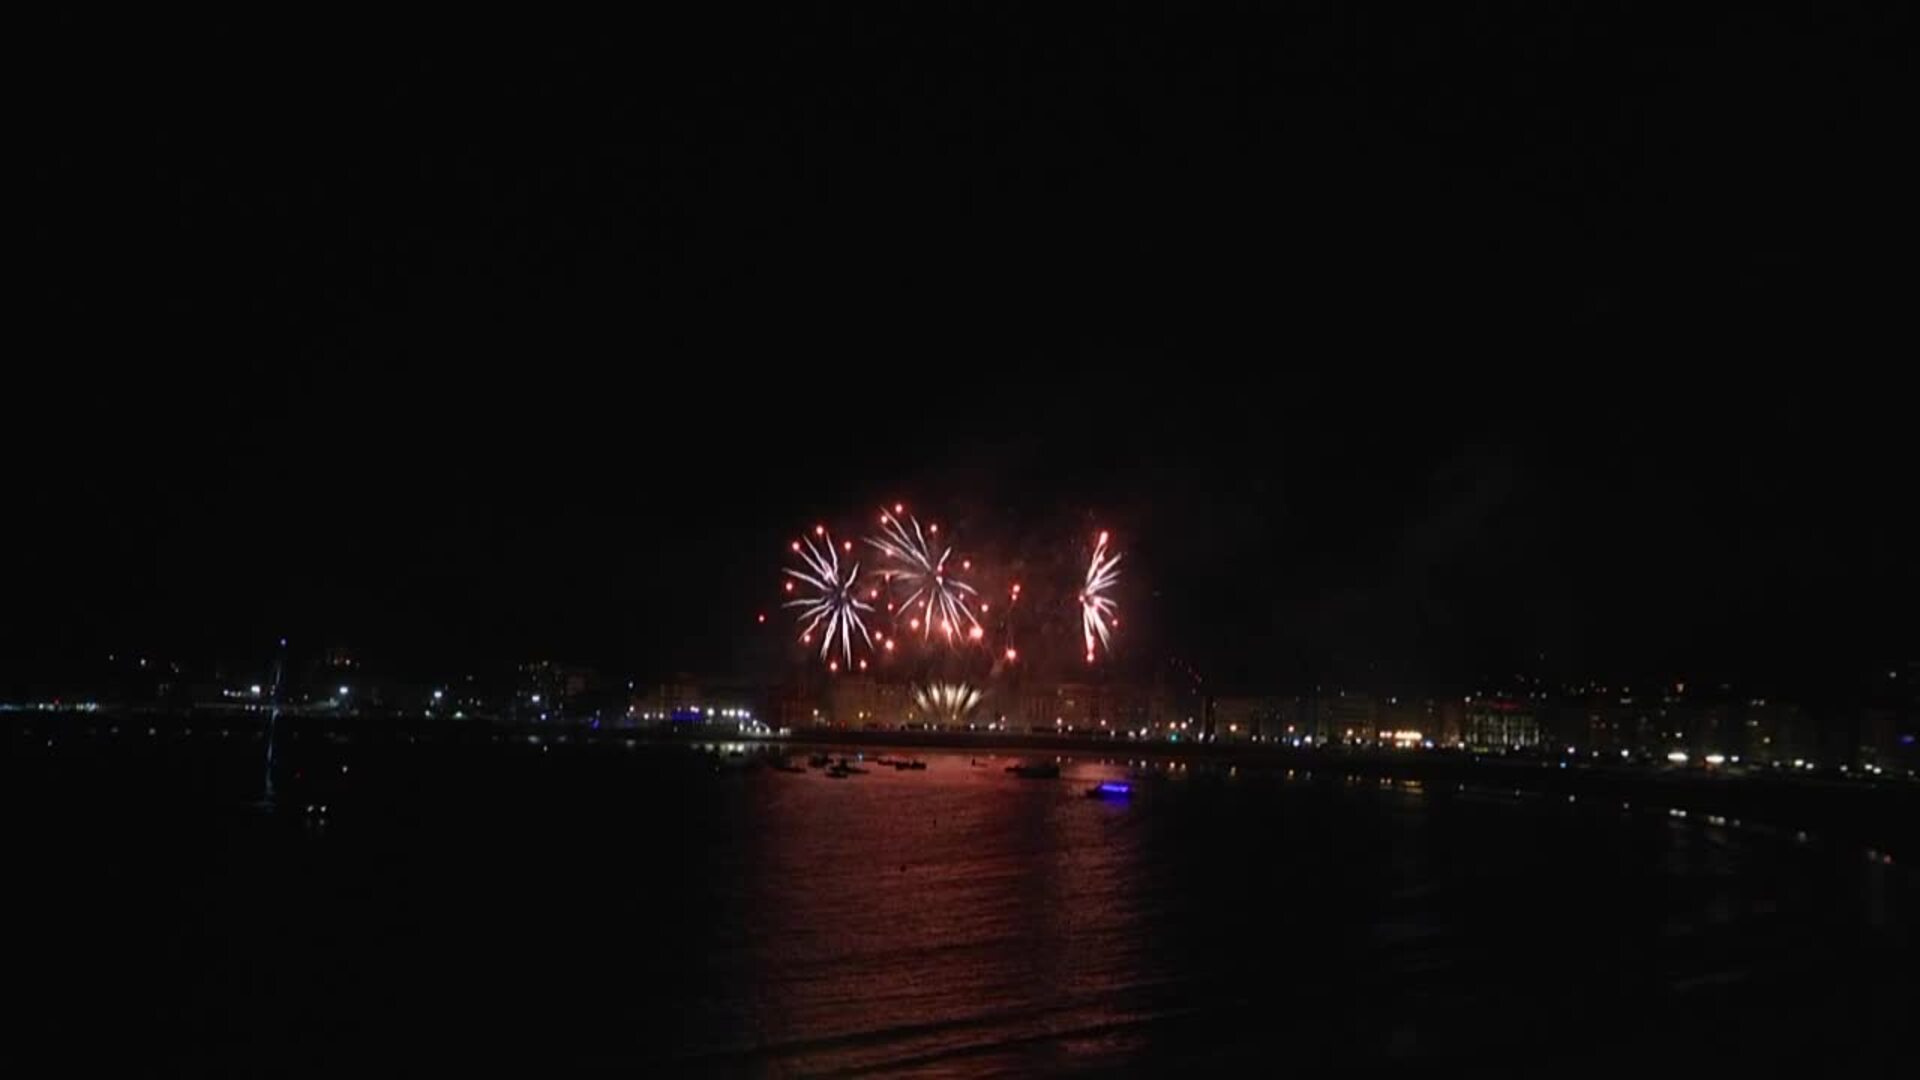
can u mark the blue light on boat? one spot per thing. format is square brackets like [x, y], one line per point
[1114, 788]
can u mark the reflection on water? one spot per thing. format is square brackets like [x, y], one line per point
[667, 909]
[968, 920]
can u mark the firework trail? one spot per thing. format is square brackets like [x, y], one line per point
[943, 703]
[833, 600]
[935, 594]
[1097, 609]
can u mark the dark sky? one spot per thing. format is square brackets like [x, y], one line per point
[1411, 349]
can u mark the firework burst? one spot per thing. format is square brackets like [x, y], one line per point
[832, 605]
[1097, 608]
[946, 704]
[934, 595]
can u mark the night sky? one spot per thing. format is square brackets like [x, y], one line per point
[1411, 351]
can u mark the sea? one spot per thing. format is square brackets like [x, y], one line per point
[686, 910]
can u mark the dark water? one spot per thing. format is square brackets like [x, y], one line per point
[645, 913]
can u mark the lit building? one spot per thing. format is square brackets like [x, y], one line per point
[1251, 718]
[862, 701]
[1345, 716]
[555, 683]
[663, 702]
[1500, 722]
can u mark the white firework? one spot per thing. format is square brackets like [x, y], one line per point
[946, 704]
[833, 601]
[1097, 608]
[934, 594]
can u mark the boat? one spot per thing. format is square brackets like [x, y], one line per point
[917, 766]
[1111, 789]
[1040, 770]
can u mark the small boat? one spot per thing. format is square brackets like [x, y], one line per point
[1042, 770]
[1111, 789]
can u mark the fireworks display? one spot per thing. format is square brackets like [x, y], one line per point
[935, 598]
[1097, 607]
[832, 601]
[937, 622]
[945, 704]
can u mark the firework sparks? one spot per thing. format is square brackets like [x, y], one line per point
[946, 704]
[1097, 608]
[938, 595]
[832, 602]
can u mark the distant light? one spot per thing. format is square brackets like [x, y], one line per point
[1678, 757]
[1716, 759]
[976, 633]
[536, 698]
[1013, 654]
[437, 695]
[343, 691]
[254, 689]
